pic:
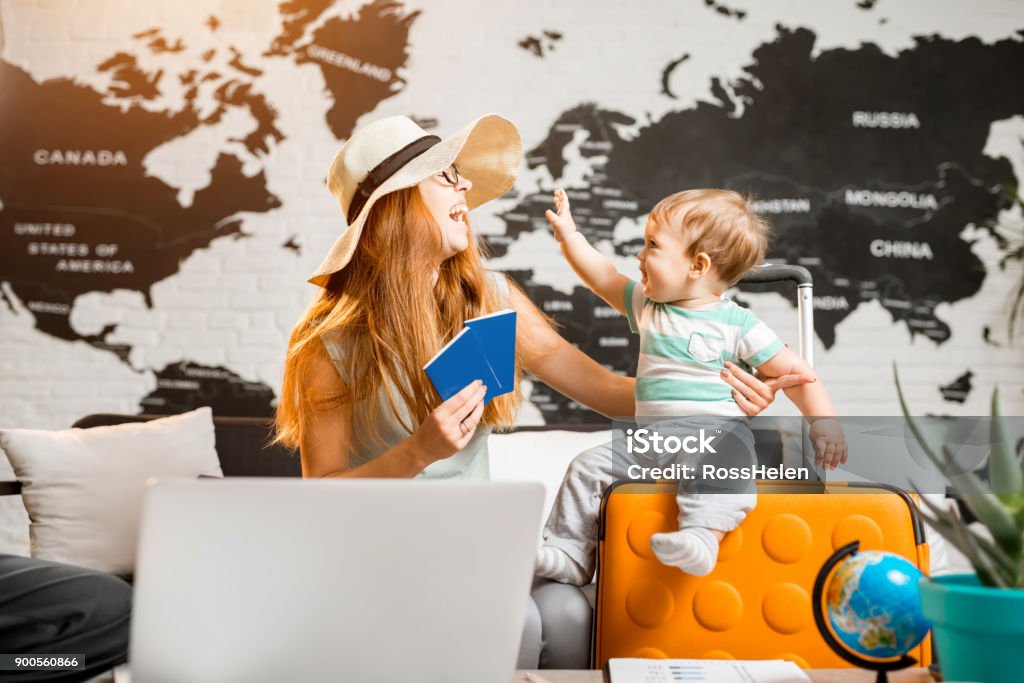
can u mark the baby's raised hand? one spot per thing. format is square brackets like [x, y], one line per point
[829, 443]
[562, 220]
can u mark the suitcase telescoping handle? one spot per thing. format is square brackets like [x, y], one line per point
[801, 277]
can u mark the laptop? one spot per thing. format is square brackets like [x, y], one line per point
[332, 580]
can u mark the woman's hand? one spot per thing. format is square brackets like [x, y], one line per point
[751, 394]
[451, 425]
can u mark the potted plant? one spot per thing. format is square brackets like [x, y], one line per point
[978, 619]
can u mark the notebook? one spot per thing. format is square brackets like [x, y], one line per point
[485, 349]
[698, 670]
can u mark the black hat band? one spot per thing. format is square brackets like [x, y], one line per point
[385, 169]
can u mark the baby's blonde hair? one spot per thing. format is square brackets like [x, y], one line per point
[721, 224]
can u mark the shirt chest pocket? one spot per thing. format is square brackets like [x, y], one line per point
[705, 347]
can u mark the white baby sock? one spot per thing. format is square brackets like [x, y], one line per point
[693, 549]
[555, 563]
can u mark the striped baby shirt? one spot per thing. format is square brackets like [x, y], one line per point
[682, 352]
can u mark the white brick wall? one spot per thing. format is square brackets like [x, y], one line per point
[233, 303]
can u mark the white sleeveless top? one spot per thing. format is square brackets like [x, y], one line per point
[469, 463]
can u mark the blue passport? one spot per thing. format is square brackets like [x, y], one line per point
[497, 334]
[485, 349]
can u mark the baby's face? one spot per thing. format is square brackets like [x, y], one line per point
[665, 266]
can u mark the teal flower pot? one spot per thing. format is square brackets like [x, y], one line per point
[979, 631]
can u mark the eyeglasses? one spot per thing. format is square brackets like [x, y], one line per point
[451, 175]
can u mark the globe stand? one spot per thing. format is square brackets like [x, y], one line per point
[882, 667]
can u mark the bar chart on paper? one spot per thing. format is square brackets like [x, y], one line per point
[700, 670]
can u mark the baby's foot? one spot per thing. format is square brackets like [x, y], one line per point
[694, 550]
[555, 563]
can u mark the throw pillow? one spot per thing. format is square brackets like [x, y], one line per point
[83, 488]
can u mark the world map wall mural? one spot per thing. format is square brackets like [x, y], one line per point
[162, 197]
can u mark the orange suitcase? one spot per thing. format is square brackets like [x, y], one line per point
[756, 603]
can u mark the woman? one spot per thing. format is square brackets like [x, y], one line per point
[396, 286]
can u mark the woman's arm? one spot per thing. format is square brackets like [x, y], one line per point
[326, 434]
[571, 372]
[565, 368]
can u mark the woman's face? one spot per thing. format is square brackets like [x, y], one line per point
[445, 196]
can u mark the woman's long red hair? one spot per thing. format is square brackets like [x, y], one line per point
[385, 309]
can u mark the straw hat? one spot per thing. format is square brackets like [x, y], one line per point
[393, 153]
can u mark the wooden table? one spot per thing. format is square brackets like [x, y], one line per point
[817, 675]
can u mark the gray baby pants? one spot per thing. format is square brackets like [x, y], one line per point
[572, 525]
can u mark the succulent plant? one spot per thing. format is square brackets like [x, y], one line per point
[998, 504]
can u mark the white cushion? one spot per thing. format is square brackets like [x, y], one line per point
[542, 456]
[13, 518]
[83, 487]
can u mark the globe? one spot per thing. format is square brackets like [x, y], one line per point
[874, 606]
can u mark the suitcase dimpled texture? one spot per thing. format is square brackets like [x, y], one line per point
[756, 603]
